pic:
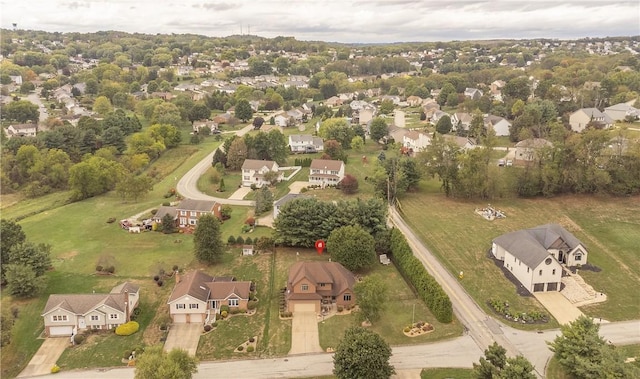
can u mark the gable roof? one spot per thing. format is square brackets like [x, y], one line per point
[255, 164]
[222, 290]
[322, 272]
[287, 198]
[165, 210]
[531, 245]
[80, 304]
[125, 287]
[196, 205]
[326, 164]
[192, 284]
[534, 143]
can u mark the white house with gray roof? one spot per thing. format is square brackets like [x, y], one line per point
[305, 143]
[254, 171]
[535, 256]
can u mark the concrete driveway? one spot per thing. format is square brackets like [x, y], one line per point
[46, 356]
[304, 333]
[296, 187]
[240, 193]
[184, 336]
[558, 306]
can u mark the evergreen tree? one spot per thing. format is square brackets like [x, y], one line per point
[207, 240]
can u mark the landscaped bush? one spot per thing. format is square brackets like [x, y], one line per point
[234, 311]
[110, 269]
[128, 328]
[55, 369]
[407, 329]
[413, 270]
[286, 314]
[248, 241]
[224, 308]
[214, 324]
[99, 268]
[127, 354]
[156, 278]
[502, 308]
[154, 211]
[160, 283]
[224, 314]
[175, 268]
[78, 339]
[340, 308]
[252, 340]
[166, 204]
[135, 313]
[111, 220]
[246, 228]
[250, 221]
[231, 240]
[207, 328]
[240, 348]
[252, 305]
[250, 349]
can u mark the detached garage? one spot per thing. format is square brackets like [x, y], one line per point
[60, 331]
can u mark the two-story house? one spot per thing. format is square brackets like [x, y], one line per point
[189, 211]
[416, 141]
[305, 143]
[529, 150]
[197, 297]
[254, 171]
[22, 130]
[535, 256]
[67, 315]
[313, 284]
[325, 172]
[585, 116]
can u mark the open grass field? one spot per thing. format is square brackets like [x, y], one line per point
[609, 227]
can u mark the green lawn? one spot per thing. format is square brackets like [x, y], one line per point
[207, 184]
[446, 373]
[609, 227]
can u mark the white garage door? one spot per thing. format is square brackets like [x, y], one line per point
[195, 318]
[60, 330]
[180, 318]
[304, 307]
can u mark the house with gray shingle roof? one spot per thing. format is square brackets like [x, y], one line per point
[254, 171]
[312, 284]
[66, 315]
[535, 256]
[197, 297]
[189, 211]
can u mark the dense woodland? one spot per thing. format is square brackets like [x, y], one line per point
[113, 74]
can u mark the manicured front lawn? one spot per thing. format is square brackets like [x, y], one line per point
[461, 240]
[446, 373]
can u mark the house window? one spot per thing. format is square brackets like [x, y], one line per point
[96, 326]
[95, 317]
[553, 271]
[180, 306]
[192, 222]
[233, 302]
[540, 272]
[322, 284]
[183, 213]
[578, 257]
[193, 214]
[113, 316]
[60, 318]
[247, 178]
[347, 297]
[305, 287]
[527, 269]
[193, 306]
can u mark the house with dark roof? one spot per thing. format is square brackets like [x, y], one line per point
[189, 211]
[278, 204]
[313, 284]
[535, 256]
[69, 314]
[326, 172]
[197, 297]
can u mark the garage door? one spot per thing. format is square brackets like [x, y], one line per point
[60, 330]
[304, 307]
[195, 318]
[180, 318]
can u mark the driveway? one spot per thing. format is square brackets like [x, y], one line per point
[558, 306]
[184, 336]
[240, 193]
[46, 356]
[296, 187]
[304, 333]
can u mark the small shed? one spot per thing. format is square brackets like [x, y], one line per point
[247, 249]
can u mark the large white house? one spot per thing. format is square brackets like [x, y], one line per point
[254, 171]
[534, 256]
[499, 125]
[22, 130]
[416, 141]
[305, 143]
[326, 172]
[582, 117]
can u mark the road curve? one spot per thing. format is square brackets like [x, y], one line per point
[188, 184]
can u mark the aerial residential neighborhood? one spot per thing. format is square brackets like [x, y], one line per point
[257, 206]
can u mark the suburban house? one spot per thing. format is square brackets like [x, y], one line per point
[281, 120]
[22, 130]
[535, 256]
[365, 115]
[416, 141]
[197, 297]
[333, 101]
[499, 125]
[461, 120]
[619, 112]
[67, 315]
[326, 172]
[582, 117]
[254, 171]
[162, 212]
[278, 204]
[528, 150]
[464, 143]
[414, 101]
[472, 93]
[305, 143]
[189, 211]
[313, 284]
[207, 126]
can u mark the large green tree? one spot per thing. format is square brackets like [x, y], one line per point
[236, 154]
[360, 354]
[21, 111]
[22, 280]
[495, 365]
[443, 126]
[243, 110]
[207, 240]
[352, 246]
[378, 129]
[371, 296]
[11, 236]
[155, 363]
[264, 200]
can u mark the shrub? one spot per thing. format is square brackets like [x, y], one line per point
[248, 241]
[231, 240]
[340, 308]
[111, 220]
[78, 339]
[128, 328]
[224, 314]
[55, 369]
[99, 268]
[240, 348]
[407, 329]
[207, 328]
[246, 229]
[252, 340]
[224, 308]
[214, 324]
[174, 268]
[110, 269]
[240, 240]
[127, 354]
[154, 211]
[234, 311]
[160, 283]
[252, 305]
[304, 189]
[166, 204]
[250, 349]
[135, 314]
[156, 278]
[250, 221]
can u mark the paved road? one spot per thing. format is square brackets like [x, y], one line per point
[188, 184]
[34, 97]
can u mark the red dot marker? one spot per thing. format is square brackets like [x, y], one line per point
[320, 245]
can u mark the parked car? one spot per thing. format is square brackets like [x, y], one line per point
[501, 162]
[509, 162]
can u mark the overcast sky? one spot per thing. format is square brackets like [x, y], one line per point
[334, 20]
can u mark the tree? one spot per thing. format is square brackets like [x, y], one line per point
[443, 126]
[207, 240]
[496, 365]
[166, 113]
[12, 236]
[93, 176]
[264, 200]
[441, 159]
[243, 110]
[102, 105]
[352, 246]
[134, 187]
[258, 122]
[386, 106]
[379, 128]
[518, 88]
[168, 224]
[371, 295]
[155, 363]
[357, 143]
[36, 257]
[21, 111]
[337, 129]
[362, 353]
[349, 184]
[22, 280]
[236, 154]
[6, 324]
[199, 111]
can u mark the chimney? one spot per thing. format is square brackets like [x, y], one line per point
[177, 275]
[126, 305]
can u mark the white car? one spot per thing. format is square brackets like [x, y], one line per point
[501, 162]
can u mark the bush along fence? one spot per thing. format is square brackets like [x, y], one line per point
[412, 269]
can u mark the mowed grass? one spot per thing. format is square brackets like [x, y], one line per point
[446, 373]
[609, 227]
